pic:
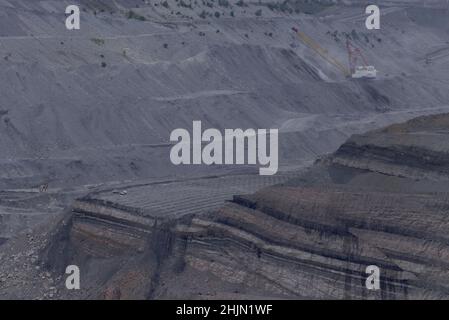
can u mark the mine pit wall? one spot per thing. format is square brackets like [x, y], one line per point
[124, 254]
[405, 161]
[111, 229]
[117, 249]
[250, 253]
[405, 253]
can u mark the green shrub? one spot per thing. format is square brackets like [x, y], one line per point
[241, 3]
[185, 5]
[223, 3]
[132, 15]
[98, 41]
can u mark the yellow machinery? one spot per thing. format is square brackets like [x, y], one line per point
[322, 52]
[354, 54]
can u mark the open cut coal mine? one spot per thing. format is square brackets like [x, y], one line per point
[85, 171]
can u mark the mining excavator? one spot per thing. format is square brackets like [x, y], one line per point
[358, 67]
[359, 70]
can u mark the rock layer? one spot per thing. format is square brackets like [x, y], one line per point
[309, 237]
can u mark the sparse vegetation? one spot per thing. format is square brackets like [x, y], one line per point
[223, 3]
[354, 35]
[297, 6]
[98, 41]
[184, 4]
[241, 3]
[132, 15]
[273, 6]
[284, 7]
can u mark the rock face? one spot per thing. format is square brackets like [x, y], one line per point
[416, 149]
[160, 68]
[97, 106]
[312, 236]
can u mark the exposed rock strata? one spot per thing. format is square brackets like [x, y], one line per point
[310, 237]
